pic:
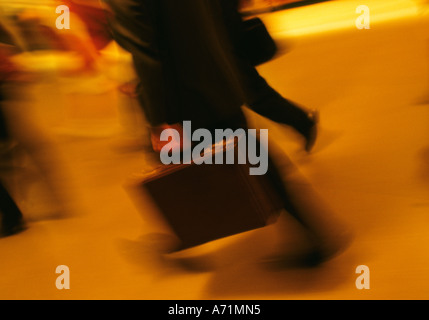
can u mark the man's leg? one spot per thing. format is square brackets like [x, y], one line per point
[260, 96]
[12, 220]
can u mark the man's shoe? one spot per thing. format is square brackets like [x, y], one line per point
[311, 135]
[7, 231]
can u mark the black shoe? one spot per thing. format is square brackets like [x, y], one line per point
[311, 134]
[7, 231]
[310, 257]
[307, 259]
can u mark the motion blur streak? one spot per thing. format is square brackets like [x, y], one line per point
[78, 136]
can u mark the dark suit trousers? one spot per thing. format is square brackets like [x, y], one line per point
[259, 95]
[11, 215]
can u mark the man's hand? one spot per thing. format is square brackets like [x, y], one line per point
[157, 144]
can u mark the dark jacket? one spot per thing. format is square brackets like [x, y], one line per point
[182, 56]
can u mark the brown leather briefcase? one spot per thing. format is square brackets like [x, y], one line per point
[206, 202]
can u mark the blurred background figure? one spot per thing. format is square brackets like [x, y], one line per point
[105, 71]
[62, 81]
[36, 28]
[12, 221]
[93, 16]
[31, 178]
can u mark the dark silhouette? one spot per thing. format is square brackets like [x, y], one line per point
[187, 68]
